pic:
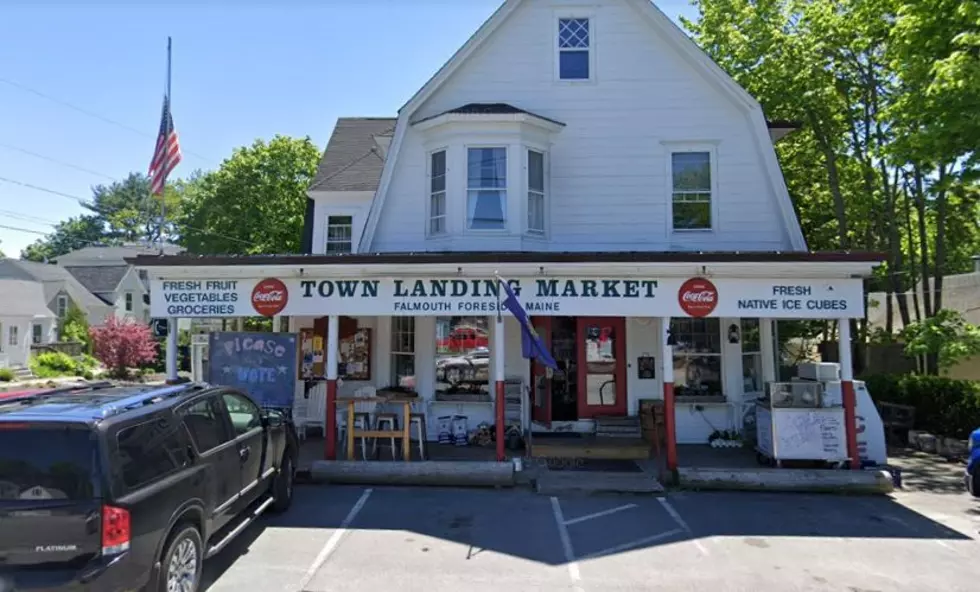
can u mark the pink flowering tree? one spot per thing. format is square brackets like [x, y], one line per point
[121, 344]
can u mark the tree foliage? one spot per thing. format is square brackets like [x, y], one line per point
[254, 202]
[122, 212]
[887, 93]
[121, 344]
[74, 327]
[946, 335]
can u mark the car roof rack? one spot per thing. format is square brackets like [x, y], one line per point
[148, 397]
[78, 386]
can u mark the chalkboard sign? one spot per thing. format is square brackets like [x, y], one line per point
[260, 364]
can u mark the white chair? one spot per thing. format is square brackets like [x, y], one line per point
[315, 412]
[418, 422]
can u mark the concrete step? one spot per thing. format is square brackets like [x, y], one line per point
[584, 482]
[618, 427]
[591, 447]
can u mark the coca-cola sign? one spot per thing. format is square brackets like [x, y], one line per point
[269, 297]
[698, 297]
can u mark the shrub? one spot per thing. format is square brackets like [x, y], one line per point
[122, 344]
[88, 362]
[943, 406]
[74, 327]
[52, 364]
[6, 375]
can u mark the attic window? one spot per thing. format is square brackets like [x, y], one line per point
[574, 49]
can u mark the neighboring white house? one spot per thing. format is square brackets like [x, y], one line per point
[104, 271]
[61, 290]
[22, 312]
[595, 157]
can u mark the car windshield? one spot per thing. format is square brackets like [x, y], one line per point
[39, 462]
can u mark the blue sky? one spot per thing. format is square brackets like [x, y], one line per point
[241, 71]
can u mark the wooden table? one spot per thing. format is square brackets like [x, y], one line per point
[405, 432]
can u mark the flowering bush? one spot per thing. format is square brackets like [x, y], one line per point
[122, 344]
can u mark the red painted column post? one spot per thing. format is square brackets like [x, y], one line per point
[330, 425]
[667, 366]
[500, 400]
[847, 392]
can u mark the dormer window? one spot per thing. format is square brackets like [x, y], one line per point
[574, 49]
[486, 188]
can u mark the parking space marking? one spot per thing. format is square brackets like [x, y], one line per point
[566, 544]
[334, 540]
[682, 523]
[600, 514]
[632, 544]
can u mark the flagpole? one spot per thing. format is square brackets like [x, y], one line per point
[163, 192]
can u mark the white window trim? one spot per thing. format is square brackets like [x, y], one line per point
[393, 351]
[507, 190]
[128, 301]
[725, 361]
[326, 229]
[574, 14]
[14, 335]
[545, 159]
[712, 149]
[39, 329]
[62, 299]
[429, 193]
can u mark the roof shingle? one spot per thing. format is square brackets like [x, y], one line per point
[353, 160]
[99, 279]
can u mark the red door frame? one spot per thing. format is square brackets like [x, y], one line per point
[586, 411]
[542, 413]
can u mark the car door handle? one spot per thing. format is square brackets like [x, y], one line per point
[244, 452]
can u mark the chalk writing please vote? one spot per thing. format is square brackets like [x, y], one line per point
[253, 375]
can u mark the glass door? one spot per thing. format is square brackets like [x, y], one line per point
[602, 373]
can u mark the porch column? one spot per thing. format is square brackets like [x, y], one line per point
[768, 351]
[847, 390]
[172, 350]
[498, 377]
[330, 422]
[277, 324]
[667, 363]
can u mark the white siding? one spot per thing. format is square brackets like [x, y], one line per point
[131, 284]
[15, 355]
[609, 175]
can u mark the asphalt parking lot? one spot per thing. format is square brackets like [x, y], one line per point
[406, 539]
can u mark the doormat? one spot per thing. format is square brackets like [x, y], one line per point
[593, 465]
[556, 436]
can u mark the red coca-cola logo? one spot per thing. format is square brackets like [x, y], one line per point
[269, 297]
[698, 297]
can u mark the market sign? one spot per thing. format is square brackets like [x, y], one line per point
[544, 296]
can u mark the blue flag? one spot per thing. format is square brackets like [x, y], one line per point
[531, 345]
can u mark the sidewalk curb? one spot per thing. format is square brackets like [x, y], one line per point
[871, 482]
[430, 473]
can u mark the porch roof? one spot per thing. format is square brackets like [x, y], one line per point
[503, 257]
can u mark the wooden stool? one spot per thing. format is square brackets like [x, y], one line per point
[388, 421]
[418, 422]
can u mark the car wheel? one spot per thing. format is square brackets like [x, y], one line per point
[180, 566]
[282, 487]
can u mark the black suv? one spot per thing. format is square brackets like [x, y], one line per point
[106, 488]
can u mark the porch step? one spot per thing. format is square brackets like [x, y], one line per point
[618, 447]
[618, 427]
[22, 372]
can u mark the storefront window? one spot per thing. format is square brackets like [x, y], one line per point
[697, 357]
[462, 355]
[403, 352]
[751, 356]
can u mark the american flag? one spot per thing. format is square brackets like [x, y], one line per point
[167, 153]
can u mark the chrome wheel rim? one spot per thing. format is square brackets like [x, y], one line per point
[182, 570]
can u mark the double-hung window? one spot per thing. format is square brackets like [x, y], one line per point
[14, 335]
[340, 234]
[697, 356]
[437, 193]
[403, 352]
[535, 192]
[62, 306]
[751, 356]
[574, 46]
[486, 189]
[691, 190]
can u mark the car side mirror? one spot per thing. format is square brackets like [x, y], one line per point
[273, 420]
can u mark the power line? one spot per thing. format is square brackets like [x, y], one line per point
[56, 161]
[18, 229]
[91, 206]
[94, 115]
[345, 167]
[27, 218]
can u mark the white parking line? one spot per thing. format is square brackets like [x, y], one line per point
[599, 514]
[681, 522]
[566, 544]
[632, 544]
[334, 540]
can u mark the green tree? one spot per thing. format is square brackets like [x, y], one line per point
[255, 201]
[74, 233]
[945, 335]
[74, 327]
